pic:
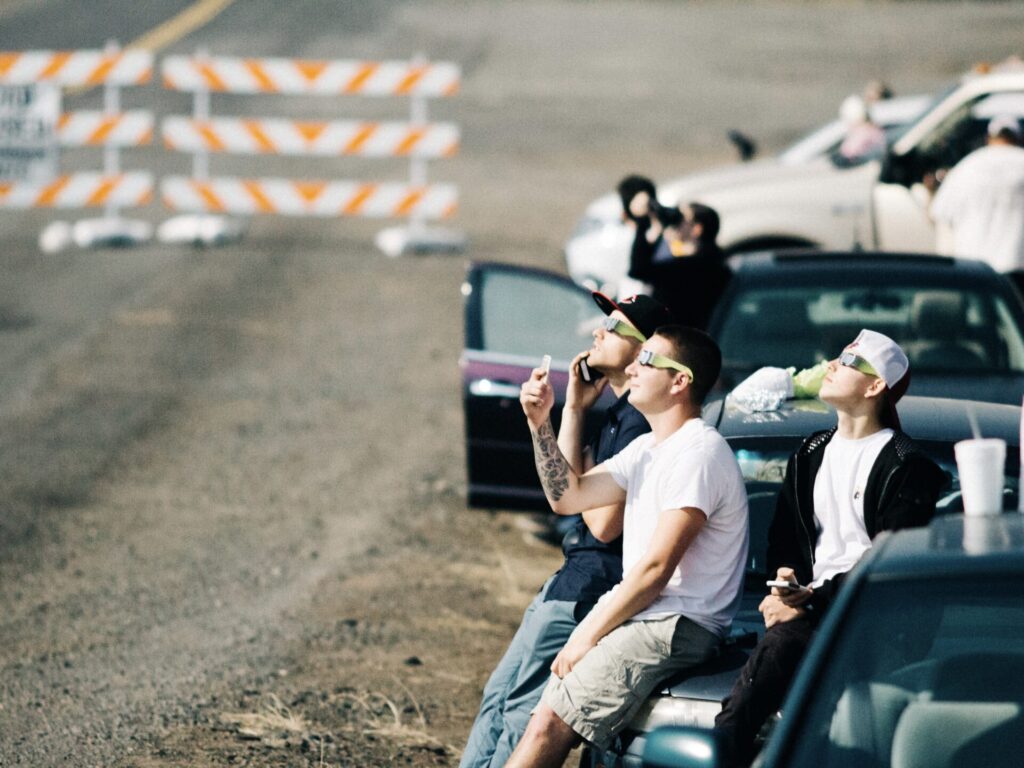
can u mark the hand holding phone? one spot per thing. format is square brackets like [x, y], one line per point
[787, 586]
[585, 373]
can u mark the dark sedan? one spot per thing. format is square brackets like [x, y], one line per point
[960, 323]
[920, 663]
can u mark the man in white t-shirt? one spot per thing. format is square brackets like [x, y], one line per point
[684, 547]
[842, 487]
[979, 207]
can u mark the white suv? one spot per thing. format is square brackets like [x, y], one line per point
[811, 199]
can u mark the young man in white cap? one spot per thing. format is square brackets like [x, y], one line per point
[842, 487]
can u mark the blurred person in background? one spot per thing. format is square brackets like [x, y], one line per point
[675, 251]
[864, 138]
[979, 207]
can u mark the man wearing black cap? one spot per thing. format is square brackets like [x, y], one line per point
[592, 547]
[842, 488]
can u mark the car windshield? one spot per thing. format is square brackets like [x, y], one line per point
[921, 669]
[763, 463]
[892, 115]
[942, 329]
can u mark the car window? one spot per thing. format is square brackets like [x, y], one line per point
[912, 658]
[531, 314]
[964, 129]
[941, 329]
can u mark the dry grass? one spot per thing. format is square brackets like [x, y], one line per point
[273, 719]
[372, 713]
[381, 716]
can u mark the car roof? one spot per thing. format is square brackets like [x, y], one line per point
[923, 418]
[952, 545]
[785, 263]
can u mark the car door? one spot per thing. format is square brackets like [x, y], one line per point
[513, 317]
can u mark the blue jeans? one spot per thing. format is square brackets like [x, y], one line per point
[516, 684]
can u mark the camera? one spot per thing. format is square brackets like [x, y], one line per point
[667, 215]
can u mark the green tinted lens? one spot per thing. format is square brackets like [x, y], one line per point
[623, 329]
[654, 360]
[851, 360]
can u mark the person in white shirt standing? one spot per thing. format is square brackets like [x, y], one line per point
[685, 538]
[979, 207]
[842, 487]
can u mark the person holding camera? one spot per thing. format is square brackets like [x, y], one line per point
[593, 544]
[675, 251]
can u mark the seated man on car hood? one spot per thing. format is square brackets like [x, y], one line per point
[684, 546]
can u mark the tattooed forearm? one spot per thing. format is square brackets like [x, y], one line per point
[552, 467]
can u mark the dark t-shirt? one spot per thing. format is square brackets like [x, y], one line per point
[592, 567]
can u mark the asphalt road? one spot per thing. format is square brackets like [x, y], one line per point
[193, 442]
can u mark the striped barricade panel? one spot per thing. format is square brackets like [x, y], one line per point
[294, 76]
[88, 129]
[78, 190]
[289, 137]
[76, 68]
[308, 198]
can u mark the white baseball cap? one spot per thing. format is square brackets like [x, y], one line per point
[1001, 123]
[890, 363]
[884, 355]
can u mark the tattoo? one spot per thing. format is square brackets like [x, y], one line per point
[552, 467]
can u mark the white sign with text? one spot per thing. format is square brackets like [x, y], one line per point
[28, 132]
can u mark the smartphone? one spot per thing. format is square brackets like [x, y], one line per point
[585, 373]
[789, 586]
[545, 364]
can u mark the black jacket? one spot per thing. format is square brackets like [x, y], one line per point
[689, 286]
[901, 492]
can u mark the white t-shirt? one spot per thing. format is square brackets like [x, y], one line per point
[839, 503]
[693, 467]
[982, 200]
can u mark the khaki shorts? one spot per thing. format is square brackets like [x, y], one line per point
[608, 685]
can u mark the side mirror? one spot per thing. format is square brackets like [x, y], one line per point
[680, 746]
[743, 143]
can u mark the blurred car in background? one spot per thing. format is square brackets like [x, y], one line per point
[920, 662]
[960, 323]
[762, 443]
[597, 252]
[881, 203]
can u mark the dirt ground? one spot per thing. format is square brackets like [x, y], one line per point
[393, 685]
[237, 549]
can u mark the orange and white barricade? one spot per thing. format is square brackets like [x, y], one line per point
[416, 140]
[109, 129]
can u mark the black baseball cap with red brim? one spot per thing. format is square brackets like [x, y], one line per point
[646, 314]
